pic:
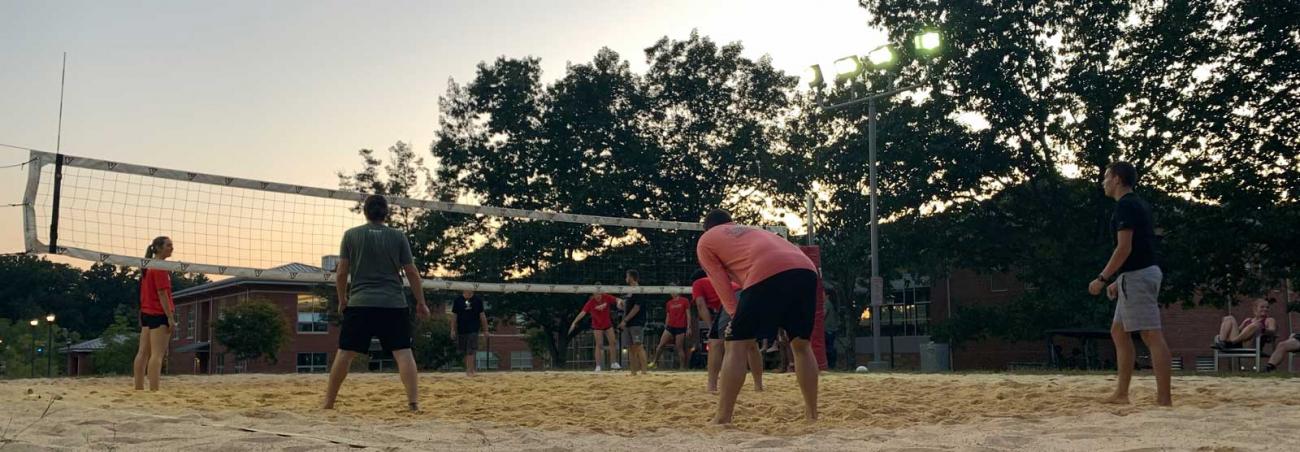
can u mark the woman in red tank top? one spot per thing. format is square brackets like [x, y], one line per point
[157, 316]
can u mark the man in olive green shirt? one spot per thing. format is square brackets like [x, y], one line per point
[374, 304]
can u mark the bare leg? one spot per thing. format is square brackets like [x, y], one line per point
[1123, 361]
[600, 341]
[410, 375]
[1282, 350]
[1245, 334]
[1226, 327]
[471, 368]
[716, 354]
[786, 351]
[806, 371]
[612, 345]
[338, 372]
[140, 367]
[1160, 364]
[681, 351]
[636, 354]
[731, 378]
[756, 367]
[663, 341]
[157, 349]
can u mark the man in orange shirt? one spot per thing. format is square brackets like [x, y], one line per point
[779, 290]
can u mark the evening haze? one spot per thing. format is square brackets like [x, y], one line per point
[290, 90]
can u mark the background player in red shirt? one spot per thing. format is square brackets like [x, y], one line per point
[677, 310]
[599, 307]
[157, 316]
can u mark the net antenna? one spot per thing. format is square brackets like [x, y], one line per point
[249, 228]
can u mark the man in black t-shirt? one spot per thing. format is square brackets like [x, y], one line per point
[468, 320]
[1132, 278]
[634, 324]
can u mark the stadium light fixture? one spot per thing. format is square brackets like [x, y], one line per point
[813, 76]
[848, 68]
[928, 41]
[882, 57]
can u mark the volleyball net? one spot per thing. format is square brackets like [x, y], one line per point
[106, 211]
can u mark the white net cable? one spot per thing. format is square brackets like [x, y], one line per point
[109, 211]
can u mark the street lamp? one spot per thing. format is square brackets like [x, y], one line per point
[927, 43]
[49, 341]
[32, 364]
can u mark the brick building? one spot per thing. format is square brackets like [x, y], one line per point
[913, 305]
[312, 340]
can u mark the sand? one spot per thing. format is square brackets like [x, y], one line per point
[663, 411]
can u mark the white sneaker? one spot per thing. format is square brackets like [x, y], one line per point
[597, 368]
[615, 366]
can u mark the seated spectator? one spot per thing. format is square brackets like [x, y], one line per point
[1234, 335]
[1283, 348]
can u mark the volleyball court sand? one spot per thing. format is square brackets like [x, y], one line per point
[663, 411]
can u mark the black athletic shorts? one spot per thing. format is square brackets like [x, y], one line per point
[151, 321]
[360, 324]
[676, 331]
[715, 331]
[786, 300]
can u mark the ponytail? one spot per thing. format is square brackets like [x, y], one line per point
[157, 243]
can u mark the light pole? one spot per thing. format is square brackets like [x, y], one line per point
[32, 364]
[49, 341]
[848, 69]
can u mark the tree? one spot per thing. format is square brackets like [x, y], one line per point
[405, 175]
[433, 344]
[251, 330]
[1195, 93]
[121, 342]
[670, 144]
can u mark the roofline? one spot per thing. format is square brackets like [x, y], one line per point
[241, 280]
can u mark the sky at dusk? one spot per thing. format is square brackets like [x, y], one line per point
[288, 91]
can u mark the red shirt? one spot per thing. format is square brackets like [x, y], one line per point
[599, 309]
[703, 288]
[153, 281]
[677, 308]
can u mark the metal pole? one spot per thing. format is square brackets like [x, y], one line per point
[1286, 304]
[877, 286]
[812, 230]
[49, 357]
[32, 365]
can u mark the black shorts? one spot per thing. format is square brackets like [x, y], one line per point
[467, 344]
[715, 332]
[786, 300]
[360, 324]
[676, 331]
[1296, 336]
[152, 321]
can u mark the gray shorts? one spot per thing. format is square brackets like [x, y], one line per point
[636, 333]
[467, 344]
[1137, 308]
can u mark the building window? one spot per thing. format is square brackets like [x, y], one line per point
[311, 314]
[191, 313]
[311, 363]
[906, 311]
[999, 282]
[485, 360]
[521, 360]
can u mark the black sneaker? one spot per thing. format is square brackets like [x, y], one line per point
[1269, 367]
[1219, 344]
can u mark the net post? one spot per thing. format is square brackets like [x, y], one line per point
[54, 208]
